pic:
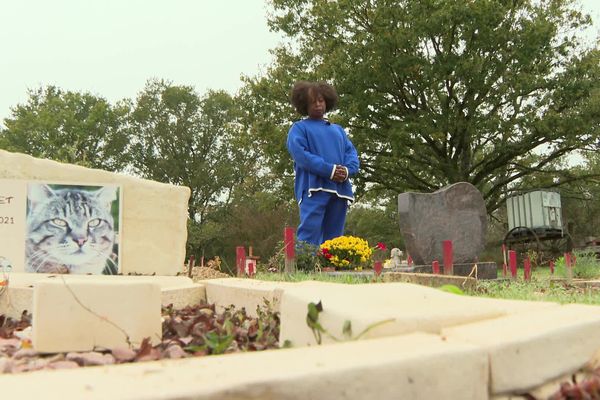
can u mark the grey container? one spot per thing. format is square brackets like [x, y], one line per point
[538, 211]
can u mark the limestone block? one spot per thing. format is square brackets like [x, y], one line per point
[455, 212]
[531, 348]
[412, 367]
[395, 309]
[180, 291]
[154, 215]
[79, 315]
[182, 296]
[247, 293]
[29, 280]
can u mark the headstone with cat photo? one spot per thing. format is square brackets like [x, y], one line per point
[57, 217]
[60, 228]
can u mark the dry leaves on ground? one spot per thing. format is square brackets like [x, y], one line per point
[193, 331]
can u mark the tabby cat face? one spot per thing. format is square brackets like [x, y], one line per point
[69, 230]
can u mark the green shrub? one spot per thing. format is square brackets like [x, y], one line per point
[306, 258]
[586, 265]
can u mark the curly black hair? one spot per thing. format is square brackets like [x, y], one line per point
[303, 91]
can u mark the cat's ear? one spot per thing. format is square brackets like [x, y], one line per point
[38, 193]
[107, 195]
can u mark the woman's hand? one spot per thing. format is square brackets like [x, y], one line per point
[340, 174]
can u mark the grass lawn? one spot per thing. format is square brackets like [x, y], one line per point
[542, 287]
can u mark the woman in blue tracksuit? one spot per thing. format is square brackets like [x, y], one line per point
[324, 159]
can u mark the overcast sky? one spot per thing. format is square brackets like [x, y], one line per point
[112, 47]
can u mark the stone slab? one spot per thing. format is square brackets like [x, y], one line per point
[17, 279]
[179, 291]
[247, 293]
[528, 349]
[413, 367]
[153, 235]
[398, 308]
[431, 280]
[485, 270]
[181, 297]
[81, 316]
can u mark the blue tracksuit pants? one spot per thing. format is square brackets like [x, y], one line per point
[322, 217]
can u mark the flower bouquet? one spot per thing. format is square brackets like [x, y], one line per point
[345, 252]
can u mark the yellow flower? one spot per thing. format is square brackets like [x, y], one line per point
[345, 252]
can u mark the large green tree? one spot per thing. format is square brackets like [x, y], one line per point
[73, 127]
[439, 91]
[182, 138]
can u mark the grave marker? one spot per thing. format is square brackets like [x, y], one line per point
[456, 213]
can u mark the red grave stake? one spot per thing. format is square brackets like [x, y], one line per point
[290, 256]
[512, 262]
[435, 266]
[569, 265]
[504, 266]
[448, 257]
[240, 260]
[527, 268]
[377, 267]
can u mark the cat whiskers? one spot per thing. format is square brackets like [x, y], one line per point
[100, 251]
[38, 259]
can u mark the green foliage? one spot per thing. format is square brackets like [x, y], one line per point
[306, 257]
[538, 289]
[254, 218]
[307, 260]
[72, 127]
[303, 276]
[375, 224]
[437, 92]
[181, 138]
[451, 289]
[586, 266]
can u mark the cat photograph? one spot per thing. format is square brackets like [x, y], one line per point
[71, 229]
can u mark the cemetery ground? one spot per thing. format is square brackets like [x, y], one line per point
[202, 330]
[199, 330]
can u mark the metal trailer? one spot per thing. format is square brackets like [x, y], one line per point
[535, 224]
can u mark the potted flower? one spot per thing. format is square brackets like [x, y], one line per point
[344, 253]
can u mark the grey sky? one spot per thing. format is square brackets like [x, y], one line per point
[111, 47]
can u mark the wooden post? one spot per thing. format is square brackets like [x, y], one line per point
[190, 266]
[435, 266]
[290, 256]
[240, 260]
[504, 266]
[448, 257]
[512, 262]
[527, 269]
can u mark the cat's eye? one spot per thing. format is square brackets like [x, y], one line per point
[94, 222]
[59, 222]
